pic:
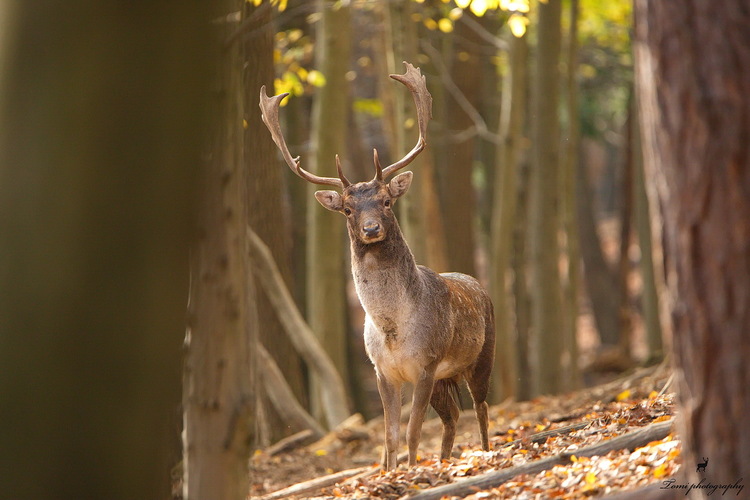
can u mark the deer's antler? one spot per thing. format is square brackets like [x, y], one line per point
[269, 107]
[416, 83]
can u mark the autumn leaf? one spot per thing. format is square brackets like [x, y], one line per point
[661, 471]
[623, 395]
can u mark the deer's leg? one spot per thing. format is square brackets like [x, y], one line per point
[390, 395]
[479, 384]
[447, 409]
[420, 400]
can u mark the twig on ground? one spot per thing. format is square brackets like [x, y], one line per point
[493, 479]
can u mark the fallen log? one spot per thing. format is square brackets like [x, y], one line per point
[315, 484]
[291, 442]
[631, 440]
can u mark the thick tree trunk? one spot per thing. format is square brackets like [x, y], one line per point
[545, 219]
[326, 297]
[692, 60]
[101, 116]
[222, 315]
[268, 212]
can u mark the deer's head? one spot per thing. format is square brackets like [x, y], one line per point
[366, 205]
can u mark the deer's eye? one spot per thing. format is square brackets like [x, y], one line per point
[387, 203]
[347, 211]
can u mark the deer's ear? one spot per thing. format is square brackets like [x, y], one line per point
[330, 200]
[400, 184]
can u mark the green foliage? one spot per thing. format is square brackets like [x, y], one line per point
[372, 107]
[605, 64]
[293, 56]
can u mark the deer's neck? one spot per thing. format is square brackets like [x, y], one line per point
[385, 273]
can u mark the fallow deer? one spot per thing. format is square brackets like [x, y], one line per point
[421, 327]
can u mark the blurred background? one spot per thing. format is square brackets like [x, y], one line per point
[171, 293]
[532, 179]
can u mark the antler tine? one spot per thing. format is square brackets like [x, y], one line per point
[269, 107]
[378, 168]
[416, 83]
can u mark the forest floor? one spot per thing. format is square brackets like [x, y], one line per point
[590, 443]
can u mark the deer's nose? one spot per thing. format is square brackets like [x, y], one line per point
[371, 228]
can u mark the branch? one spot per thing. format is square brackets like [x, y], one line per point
[480, 126]
[315, 484]
[493, 479]
[480, 30]
[300, 334]
[282, 397]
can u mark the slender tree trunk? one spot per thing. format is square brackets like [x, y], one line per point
[521, 293]
[459, 205]
[512, 119]
[692, 61]
[651, 284]
[545, 219]
[600, 279]
[222, 315]
[326, 278]
[569, 214]
[101, 115]
[626, 211]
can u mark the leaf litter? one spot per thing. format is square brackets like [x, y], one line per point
[520, 433]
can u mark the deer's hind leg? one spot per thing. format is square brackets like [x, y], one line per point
[478, 380]
[444, 403]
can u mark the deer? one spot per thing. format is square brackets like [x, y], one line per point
[702, 466]
[423, 328]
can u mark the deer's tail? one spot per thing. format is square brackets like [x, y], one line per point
[445, 390]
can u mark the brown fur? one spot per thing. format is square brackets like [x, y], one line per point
[424, 328]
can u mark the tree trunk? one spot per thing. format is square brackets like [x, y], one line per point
[692, 61]
[570, 285]
[626, 211]
[326, 298]
[512, 121]
[521, 294]
[652, 282]
[545, 220]
[459, 200]
[268, 213]
[99, 154]
[600, 279]
[222, 315]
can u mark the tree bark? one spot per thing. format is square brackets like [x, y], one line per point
[218, 378]
[512, 121]
[459, 199]
[571, 282]
[652, 281]
[101, 115]
[268, 211]
[545, 220]
[692, 61]
[326, 297]
[600, 279]
[98, 163]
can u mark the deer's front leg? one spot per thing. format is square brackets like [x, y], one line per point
[390, 395]
[420, 400]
